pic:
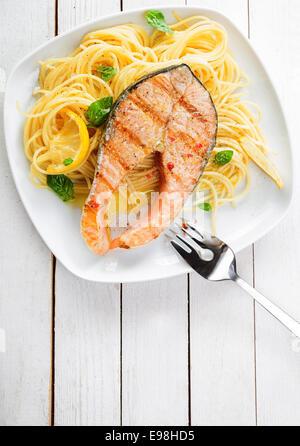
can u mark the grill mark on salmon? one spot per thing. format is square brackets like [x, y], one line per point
[162, 104]
[126, 149]
[106, 181]
[164, 83]
[193, 111]
[148, 111]
[135, 121]
[159, 109]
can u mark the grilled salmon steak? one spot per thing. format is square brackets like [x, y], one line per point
[169, 109]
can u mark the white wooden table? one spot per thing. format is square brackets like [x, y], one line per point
[172, 352]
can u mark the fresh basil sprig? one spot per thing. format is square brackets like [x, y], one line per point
[157, 20]
[205, 207]
[223, 157]
[62, 186]
[98, 111]
[106, 72]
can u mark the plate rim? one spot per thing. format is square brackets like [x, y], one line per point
[163, 8]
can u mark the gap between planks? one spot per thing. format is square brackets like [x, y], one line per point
[189, 352]
[253, 273]
[121, 328]
[52, 362]
[121, 351]
[53, 271]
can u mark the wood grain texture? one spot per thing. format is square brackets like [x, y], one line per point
[25, 262]
[236, 10]
[134, 4]
[155, 353]
[87, 353]
[87, 347]
[74, 12]
[155, 343]
[222, 324]
[274, 30]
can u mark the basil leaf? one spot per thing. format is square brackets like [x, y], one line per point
[157, 20]
[205, 207]
[68, 161]
[224, 157]
[98, 111]
[62, 186]
[106, 72]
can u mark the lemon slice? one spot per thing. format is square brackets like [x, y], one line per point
[262, 161]
[71, 143]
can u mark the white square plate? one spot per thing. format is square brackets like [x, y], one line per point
[59, 224]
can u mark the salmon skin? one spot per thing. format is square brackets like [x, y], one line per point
[171, 108]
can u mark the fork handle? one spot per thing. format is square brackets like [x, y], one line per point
[277, 312]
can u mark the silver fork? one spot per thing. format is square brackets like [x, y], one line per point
[193, 245]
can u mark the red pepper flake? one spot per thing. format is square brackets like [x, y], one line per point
[199, 146]
[170, 166]
[148, 175]
[184, 225]
[171, 138]
[93, 204]
[189, 155]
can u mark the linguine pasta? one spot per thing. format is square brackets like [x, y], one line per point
[72, 83]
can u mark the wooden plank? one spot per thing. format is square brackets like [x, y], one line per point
[87, 352]
[25, 262]
[236, 10]
[275, 32]
[87, 347]
[221, 325]
[134, 4]
[73, 12]
[155, 343]
[154, 353]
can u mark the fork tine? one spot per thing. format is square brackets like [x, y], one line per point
[183, 239]
[203, 234]
[191, 258]
[208, 239]
[185, 242]
[196, 240]
[180, 249]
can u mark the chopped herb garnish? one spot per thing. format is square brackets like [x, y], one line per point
[157, 20]
[106, 72]
[99, 110]
[205, 207]
[223, 157]
[62, 186]
[68, 161]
